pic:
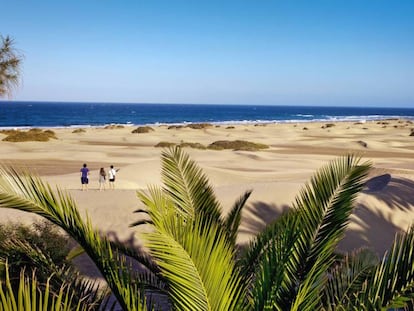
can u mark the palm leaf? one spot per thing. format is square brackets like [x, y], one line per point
[233, 219]
[28, 193]
[187, 186]
[196, 260]
[265, 263]
[30, 296]
[324, 207]
[322, 210]
[392, 284]
[347, 277]
[10, 62]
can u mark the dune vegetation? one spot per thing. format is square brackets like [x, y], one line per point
[33, 134]
[192, 261]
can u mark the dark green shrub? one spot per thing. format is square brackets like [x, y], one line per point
[32, 247]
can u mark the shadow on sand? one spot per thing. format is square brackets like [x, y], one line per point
[377, 230]
[87, 267]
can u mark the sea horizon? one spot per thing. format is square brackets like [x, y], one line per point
[52, 114]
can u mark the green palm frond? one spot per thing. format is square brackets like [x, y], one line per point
[10, 62]
[196, 260]
[30, 295]
[324, 206]
[187, 186]
[392, 284]
[322, 210]
[347, 277]
[233, 219]
[263, 264]
[30, 194]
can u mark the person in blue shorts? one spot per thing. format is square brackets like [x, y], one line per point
[84, 171]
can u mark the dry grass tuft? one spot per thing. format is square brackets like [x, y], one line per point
[192, 145]
[237, 145]
[195, 126]
[328, 125]
[165, 144]
[114, 127]
[199, 126]
[175, 127]
[79, 130]
[143, 129]
[33, 134]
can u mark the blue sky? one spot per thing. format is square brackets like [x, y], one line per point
[223, 52]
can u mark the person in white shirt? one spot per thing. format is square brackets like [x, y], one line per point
[111, 175]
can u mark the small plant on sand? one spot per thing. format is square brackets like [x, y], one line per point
[34, 134]
[15, 240]
[192, 261]
[142, 129]
[192, 145]
[78, 130]
[175, 127]
[328, 125]
[199, 126]
[114, 127]
[236, 145]
[165, 144]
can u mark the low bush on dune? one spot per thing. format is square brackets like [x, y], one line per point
[217, 145]
[8, 132]
[79, 130]
[192, 145]
[194, 126]
[237, 145]
[328, 125]
[20, 245]
[143, 129]
[165, 144]
[114, 127]
[34, 134]
[175, 127]
[199, 126]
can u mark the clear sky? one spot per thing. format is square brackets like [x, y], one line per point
[328, 52]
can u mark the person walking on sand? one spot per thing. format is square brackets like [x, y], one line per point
[111, 175]
[84, 173]
[102, 179]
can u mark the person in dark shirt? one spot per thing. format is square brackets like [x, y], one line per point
[84, 171]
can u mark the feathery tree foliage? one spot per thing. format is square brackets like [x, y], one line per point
[10, 62]
[194, 263]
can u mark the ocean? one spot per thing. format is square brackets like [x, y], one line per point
[48, 114]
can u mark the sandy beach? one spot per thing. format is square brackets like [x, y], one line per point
[275, 174]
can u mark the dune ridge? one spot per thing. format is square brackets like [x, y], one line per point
[275, 174]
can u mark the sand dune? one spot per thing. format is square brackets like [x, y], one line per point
[275, 174]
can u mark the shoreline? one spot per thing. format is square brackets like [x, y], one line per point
[362, 119]
[275, 174]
